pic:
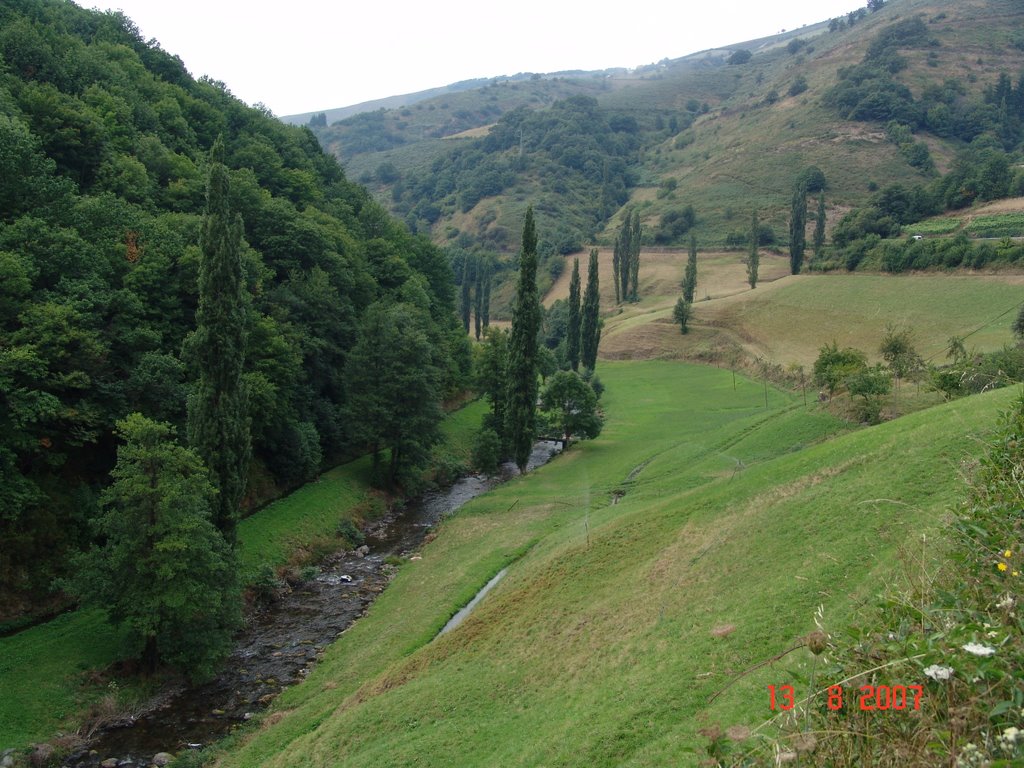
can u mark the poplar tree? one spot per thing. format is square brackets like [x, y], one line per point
[819, 227]
[572, 340]
[478, 298]
[616, 259]
[635, 234]
[753, 259]
[485, 301]
[591, 331]
[467, 277]
[690, 276]
[798, 229]
[520, 414]
[218, 419]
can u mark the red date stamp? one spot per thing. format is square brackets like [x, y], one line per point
[869, 698]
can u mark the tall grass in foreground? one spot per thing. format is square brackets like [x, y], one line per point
[933, 675]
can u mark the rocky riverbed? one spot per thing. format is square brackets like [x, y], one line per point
[281, 642]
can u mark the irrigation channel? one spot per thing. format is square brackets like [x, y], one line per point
[280, 644]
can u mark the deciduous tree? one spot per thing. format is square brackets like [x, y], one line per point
[218, 418]
[591, 332]
[798, 229]
[394, 378]
[572, 405]
[819, 227]
[681, 314]
[521, 414]
[572, 339]
[690, 276]
[753, 258]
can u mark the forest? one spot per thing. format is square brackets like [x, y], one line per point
[105, 156]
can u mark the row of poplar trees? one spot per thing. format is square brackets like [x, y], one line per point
[626, 259]
[510, 366]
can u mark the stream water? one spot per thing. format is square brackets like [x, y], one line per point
[280, 643]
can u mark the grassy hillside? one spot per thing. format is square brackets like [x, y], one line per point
[722, 137]
[617, 621]
[787, 319]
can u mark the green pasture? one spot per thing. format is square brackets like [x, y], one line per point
[696, 537]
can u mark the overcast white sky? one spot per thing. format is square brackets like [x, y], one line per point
[308, 55]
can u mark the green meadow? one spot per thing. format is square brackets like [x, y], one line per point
[647, 569]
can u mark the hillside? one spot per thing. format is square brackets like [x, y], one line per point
[726, 138]
[695, 538]
[106, 143]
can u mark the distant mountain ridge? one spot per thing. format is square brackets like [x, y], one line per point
[725, 130]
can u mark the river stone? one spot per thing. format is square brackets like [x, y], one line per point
[362, 551]
[162, 758]
[41, 755]
[110, 762]
[7, 761]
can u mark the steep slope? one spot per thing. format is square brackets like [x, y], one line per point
[696, 537]
[104, 140]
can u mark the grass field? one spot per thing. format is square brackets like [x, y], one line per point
[617, 621]
[45, 670]
[788, 319]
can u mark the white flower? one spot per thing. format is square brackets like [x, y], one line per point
[978, 649]
[938, 673]
[1009, 739]
[1006, 603]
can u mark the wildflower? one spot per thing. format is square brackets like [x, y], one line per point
[1006, 603]
[1008, 740]
[978, 649]
[1002, 566]
[938, 672]
[1007, 553]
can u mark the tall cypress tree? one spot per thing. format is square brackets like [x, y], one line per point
[753, 258]
[634, 257]
[572, 339]
[819, 227]
[690, 277]
[521, 413]
[798, 229]
[218, 419]
[591, 332]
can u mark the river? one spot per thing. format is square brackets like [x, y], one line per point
[281, 642]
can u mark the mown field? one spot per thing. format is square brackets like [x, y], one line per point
[787, 319]
[46, 672]
[618, 621]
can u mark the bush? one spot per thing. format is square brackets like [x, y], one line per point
[348, 532]
[741, 56]
[487, 451]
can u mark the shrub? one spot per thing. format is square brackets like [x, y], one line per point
[487, 451]
[350, 534]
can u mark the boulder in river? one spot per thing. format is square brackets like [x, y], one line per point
[162, 758]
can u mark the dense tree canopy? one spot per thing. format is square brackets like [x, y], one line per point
[104, 155]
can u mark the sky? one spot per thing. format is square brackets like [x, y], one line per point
[310, 55]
